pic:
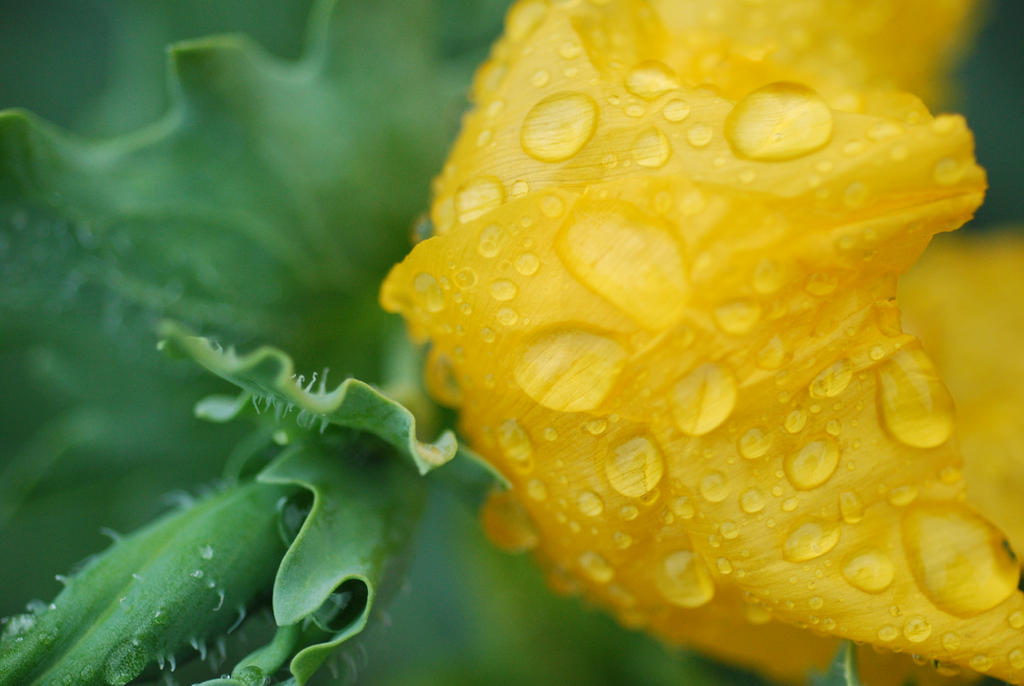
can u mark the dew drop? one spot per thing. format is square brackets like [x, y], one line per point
[960, 560]
[948, 171]
[651, 149]
[703, 399]
[1016, 658]
[888, 633]
[699, 135]
[552, 206]
[683, 507]
[507, 316]
[714, 487]
[489, 242]
[684, 580]
[527, 264]
[124, 663]
[634, 467]
[810, 539]
[478, 197]
[869, 570]
[980, 663]
[752, 501]
[558, 127]
[1016, 619]
[754, 443]
[737, 317]
[850, 507]
[503, 290]
[768, 277]
[428, 292]
[536, 489]
[676, 110]
[917, 629]
[772, 355]
[650, 79]
[515, 445]
[813, 464]
[916, 407]
[627, 258]
[780, 121]
[596, 567]
[590, 503]
[465, 278]
[569, 370]
[832, 380]
[795, 421]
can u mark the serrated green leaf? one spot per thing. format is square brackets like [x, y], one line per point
[361, 519]
[843, 670]
[269, 374]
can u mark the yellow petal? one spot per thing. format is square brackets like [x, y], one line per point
[670, 317]
[964, 299]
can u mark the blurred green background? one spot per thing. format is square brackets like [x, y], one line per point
[95, 427]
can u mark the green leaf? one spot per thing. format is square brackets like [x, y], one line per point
[269, 375]
[171, 585]
[361, 519]
[843, 670]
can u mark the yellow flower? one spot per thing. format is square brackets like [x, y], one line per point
[976, 350]
[667, 314]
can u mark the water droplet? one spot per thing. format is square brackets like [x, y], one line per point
[795, 421]
[634, 467]
[737, 317]
[628, 258]
[850, 507]
[832, 380]
[441, 381]
[489, 242]
[540, 78]
[651, 149]
[714, 487]
[503, 289]
[558, 127]
[703, 399]
[515, 445]
[754, 443]
[524, 17]
[569, 370]
[810, 539]
[1016, 619]
[552, 206]
[869, 570]
[650, 79]
[855, 195]
[960, 560]
[1016, 658]
[527, 264]
[768, 277]
[676, 110]
[465, 278]
[813, 464]
[206, 552]
[699, 135]
[507, 316]
[683, 507]
[683, 579]
[951, 641]
[724, 566]
[888, 633]
[902, 496]
[507, 523]
[980, 663]
[596, 427]
[596, 567]
[752, 501]
[916, 407]
[590, 503]
[536, 489]
[917, 629]
[729, 530]
[780, 121]
[428, 292]
[772, 355]
[478, 197]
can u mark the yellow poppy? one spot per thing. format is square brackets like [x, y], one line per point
[667, 314]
